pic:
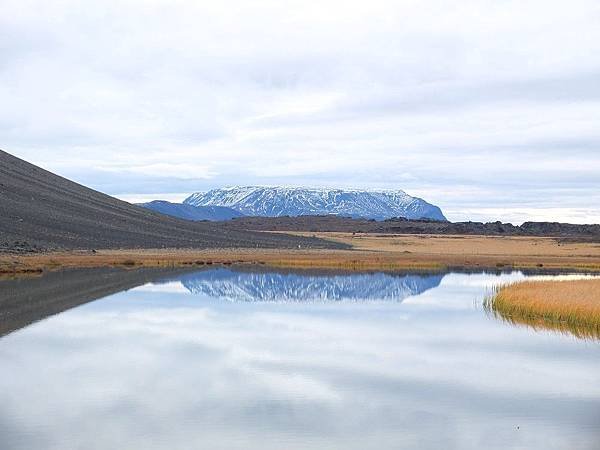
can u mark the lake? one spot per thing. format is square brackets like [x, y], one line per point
[229, 358]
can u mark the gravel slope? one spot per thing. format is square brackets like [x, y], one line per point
[41, 211]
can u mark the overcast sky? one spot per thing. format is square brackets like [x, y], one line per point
[489, 109]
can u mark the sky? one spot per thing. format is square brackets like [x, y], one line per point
[489, 109]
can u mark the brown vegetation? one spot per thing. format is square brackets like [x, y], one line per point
[369, 252]
[570, 306]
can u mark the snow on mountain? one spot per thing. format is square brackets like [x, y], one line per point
[238, 286]
[293, 201]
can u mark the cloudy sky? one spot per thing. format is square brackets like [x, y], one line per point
[490, 109]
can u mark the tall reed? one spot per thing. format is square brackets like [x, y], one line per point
[571, 306]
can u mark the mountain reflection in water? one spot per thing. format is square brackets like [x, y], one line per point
[154, 367]
[293, 287]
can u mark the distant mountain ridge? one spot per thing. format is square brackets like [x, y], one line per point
[294, 201]
[191, 212]
[566, 231]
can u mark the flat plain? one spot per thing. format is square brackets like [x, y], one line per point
[368, 252]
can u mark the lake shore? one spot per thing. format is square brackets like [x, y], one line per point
[571, 306]
[369, 252]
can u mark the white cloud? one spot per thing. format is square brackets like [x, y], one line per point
[497, 99]
[176, 197]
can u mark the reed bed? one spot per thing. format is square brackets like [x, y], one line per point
[571, 306]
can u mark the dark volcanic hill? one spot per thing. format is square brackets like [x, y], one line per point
[43, 211]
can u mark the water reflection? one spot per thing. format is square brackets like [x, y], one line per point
[158, 368]
[265, 286]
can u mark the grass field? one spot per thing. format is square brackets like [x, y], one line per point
[473, 251]
[498, 246]
[370, 252]
[571, 306]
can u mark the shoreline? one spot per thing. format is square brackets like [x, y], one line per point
[369, 252]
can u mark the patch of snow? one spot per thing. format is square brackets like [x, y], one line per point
[295, 201]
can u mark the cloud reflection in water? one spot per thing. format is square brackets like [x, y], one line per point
[168, 370]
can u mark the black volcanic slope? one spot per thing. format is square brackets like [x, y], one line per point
[42, 211]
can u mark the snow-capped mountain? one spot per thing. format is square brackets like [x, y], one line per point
[294, 201]
[289, 287]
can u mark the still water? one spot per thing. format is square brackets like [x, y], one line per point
[228, 359]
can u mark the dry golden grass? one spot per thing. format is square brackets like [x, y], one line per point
[305, 259]
[370, 252]
[569, 306]
[473, 251]
[498, 246]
